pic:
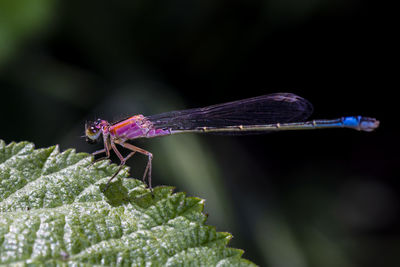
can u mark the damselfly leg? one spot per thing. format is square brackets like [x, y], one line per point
[123, 161]
[133, 149]
[147, 171]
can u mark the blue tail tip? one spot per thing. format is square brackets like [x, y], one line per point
[360, 123]
[368, 124]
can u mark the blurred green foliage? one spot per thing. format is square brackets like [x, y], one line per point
[21, 22]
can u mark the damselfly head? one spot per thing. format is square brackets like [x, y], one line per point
[93, 131]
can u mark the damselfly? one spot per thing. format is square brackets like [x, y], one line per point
[262, 114]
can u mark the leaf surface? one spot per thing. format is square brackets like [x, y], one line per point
[53, 211]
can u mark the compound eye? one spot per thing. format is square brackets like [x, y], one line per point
[92, 132]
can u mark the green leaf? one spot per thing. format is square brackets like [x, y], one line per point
[53, 211]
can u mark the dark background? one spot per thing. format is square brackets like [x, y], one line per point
[307, 198]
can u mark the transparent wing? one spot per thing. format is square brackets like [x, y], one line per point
[266, 109]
